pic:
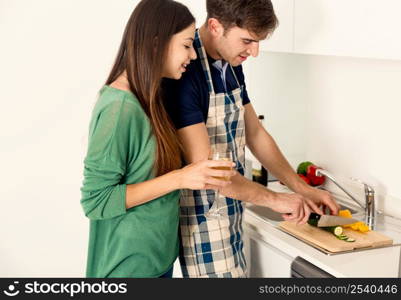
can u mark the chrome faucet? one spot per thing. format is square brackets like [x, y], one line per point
[369, 206]
[370, 211]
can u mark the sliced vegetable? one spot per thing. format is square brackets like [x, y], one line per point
[337, 231]
[358, 226]
[345, 213]
[345, 238]
[314, 219]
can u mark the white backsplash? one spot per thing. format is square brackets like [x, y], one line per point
[341, 113]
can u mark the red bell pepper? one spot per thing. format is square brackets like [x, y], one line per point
[314, 179]
[304, 178]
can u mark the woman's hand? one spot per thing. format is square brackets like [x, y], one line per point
[205, 174]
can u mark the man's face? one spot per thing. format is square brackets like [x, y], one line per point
[237, 44]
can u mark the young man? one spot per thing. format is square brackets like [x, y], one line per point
[211, 110]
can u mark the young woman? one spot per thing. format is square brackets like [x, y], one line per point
[132, 176]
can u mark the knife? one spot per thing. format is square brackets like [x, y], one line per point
[327, 220]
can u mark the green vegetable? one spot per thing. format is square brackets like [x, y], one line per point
[346, 238]
[313, 222]
[342, 237]
[302, 167]
[336, 230]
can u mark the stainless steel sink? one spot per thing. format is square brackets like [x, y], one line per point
[265, 213]
[270, 215]
[387, 225]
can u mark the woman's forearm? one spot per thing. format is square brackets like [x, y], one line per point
[196, 176]
[140, 193]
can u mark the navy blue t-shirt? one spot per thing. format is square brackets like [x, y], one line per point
[187, 99]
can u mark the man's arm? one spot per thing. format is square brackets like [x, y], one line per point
[195, 141]
[265, 149]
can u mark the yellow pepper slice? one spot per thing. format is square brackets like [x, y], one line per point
[345, 213]
[358, 226]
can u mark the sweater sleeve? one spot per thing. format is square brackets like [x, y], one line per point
[103, 193]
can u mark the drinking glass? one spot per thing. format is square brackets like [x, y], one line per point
[216, 210]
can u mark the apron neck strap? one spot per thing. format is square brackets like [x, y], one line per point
[205, 63]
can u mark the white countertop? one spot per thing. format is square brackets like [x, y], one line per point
[379, 262]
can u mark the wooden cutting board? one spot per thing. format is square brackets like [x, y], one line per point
[328, 242]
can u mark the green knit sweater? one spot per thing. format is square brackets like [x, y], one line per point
[141, 241]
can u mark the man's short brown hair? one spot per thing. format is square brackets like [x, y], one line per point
[257, 16]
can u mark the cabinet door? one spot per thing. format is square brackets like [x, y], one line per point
[263, 259]
[282, 38]
[359, 28]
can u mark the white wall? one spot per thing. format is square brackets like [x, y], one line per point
[275, 85]
[354, 114]
[346, 112]
[55, 55]
[198, 9]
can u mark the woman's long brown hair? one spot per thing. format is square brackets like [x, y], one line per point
[142, 54]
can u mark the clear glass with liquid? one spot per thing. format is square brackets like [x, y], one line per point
[216, 211]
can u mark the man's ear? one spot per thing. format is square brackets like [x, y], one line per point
[215, 27]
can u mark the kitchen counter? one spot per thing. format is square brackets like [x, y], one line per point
[378, 262]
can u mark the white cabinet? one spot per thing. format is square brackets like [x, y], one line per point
[359, 28]
[263, 259]
[282, 38]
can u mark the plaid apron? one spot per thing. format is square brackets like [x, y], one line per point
[214, 247]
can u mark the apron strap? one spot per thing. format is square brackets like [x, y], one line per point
[235, 76]
[205, 64]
